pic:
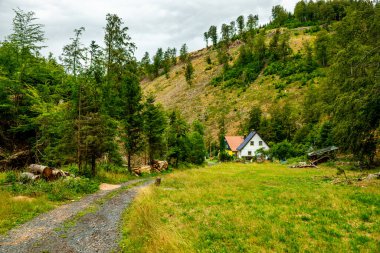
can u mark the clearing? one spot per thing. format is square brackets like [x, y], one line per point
[254, 208]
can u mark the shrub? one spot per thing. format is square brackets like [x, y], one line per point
[11, 177]
[225, 157]
[285, 150]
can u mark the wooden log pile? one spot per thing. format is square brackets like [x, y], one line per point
[157, 166]
[160, 166]
[37, 171]
[142, 170]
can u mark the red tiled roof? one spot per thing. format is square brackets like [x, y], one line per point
[234, 141]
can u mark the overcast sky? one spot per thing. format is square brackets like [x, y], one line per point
[152, 23]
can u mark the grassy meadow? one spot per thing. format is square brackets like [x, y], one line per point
[254, 208]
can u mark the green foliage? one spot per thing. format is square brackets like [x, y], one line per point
[176, 135]
[241, 24]
[254, 120]
[296, 68]
[26, 34]
[154, 128]
[197, 147]
[189, 72]
[322, 46]
[183, 53]
[61, 190]
[213, 34]
[11, 177]
[284, 150]
[279, 15]
[225, 157]
[246, 69]
[352, 85]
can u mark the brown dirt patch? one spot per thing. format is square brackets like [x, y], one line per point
[23, 198]
[109, 187]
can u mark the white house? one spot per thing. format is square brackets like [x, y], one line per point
[250, 145]
[245, 147]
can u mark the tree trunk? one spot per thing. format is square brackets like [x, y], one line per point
[45, 171]
[93, 165]
[129, 162]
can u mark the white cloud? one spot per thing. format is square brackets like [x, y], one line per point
[152, 23]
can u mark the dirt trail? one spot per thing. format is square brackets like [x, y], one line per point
[96, 231]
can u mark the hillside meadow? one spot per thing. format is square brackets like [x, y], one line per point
[206, 102]
[254, 208]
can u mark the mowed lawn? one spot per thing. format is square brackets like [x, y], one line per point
[254, 208]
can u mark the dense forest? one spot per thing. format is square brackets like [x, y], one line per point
[88, 105]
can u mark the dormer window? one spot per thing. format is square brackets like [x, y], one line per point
[252, 143]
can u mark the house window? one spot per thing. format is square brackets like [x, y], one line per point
[252, 143]
[260, 143]
[250, 153]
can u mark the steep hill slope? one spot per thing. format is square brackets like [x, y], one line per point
[207, 103]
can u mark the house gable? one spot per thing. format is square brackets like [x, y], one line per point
[233, 142]
[251, 144]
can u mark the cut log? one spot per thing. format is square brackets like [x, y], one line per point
[160, 166]
[27, 176]
[163, 165]
[56, 174]
[45, 171]
[142, 169]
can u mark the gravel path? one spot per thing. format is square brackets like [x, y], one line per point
[96, 231]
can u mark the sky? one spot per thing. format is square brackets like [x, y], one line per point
[152, 23]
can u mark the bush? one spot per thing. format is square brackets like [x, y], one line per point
[11, 177]
[285, 150]
[225, 157]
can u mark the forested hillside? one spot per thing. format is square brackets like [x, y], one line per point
[308, 79]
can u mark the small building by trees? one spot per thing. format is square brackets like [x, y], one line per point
[245, 147]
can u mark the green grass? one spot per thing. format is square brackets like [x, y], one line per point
[14, 212]
[254, 208]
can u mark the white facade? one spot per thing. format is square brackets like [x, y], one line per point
[254, 144]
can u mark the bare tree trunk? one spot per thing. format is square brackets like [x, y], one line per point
[129, 162]
[93, 164]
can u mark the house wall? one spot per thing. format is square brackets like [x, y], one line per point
[256, 139]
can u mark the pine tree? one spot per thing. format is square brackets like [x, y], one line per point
[26, 35]
[177, 139]
[72, 57]
[157, 62]
[240, 23]
[226, 33]
[252, 22]
[154, 128]
[119, 54]
[322, 43]
[183, 53]
[132, 118]
[213, 33]
[206, 37]
[197, 148]
[189, 72]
